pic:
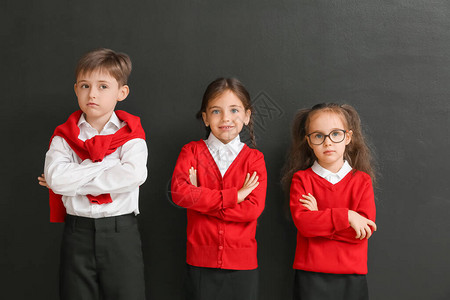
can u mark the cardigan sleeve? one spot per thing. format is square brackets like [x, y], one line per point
[200, 199]
[366, 208]
[322, 223]
[251, 208]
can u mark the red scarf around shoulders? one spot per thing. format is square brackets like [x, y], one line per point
[95, 149]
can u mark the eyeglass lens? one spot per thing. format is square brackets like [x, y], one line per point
[336, 136]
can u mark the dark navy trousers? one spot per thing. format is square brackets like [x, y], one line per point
[102, 259]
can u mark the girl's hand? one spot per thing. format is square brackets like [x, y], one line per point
[42, 181]
[193, 176]
[309, 202]
[361, 225]
[251, 182]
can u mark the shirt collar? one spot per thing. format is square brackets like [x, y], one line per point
[113, 120]
[322, 172]
[215, 144]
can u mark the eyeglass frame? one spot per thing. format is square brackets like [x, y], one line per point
[328, 136]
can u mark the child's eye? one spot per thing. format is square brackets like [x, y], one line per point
[318, 136]
[335, 133]
[103, 86]
[84, 86]
[234, 110]
[215, 111]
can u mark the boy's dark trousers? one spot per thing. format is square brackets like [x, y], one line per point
[101, 259]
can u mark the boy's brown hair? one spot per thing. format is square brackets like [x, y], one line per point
[118, 65]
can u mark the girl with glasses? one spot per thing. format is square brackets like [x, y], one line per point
[329, 174]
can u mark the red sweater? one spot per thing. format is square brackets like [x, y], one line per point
[220, 232]
[325, 241]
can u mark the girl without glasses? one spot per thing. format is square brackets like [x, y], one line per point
[222, 183]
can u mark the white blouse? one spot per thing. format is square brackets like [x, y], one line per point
[330, 176]
[224, 154]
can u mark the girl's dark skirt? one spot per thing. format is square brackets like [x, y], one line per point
[220, 284]
[323, 286]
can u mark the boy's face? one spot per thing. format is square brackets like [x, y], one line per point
[98, 93]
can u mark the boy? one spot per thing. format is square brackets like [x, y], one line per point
[94, 167]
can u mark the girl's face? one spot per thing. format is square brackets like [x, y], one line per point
[330, 155]
[226, 116]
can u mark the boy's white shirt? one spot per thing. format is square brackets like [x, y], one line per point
[223, 154]
[119, 174]
[330, 176]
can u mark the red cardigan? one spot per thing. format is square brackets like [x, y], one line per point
[220, 232]
[325, 241]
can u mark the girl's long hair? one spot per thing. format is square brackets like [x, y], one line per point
[301, 156]
[217, 88]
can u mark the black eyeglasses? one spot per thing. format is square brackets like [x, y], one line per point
[336, 136]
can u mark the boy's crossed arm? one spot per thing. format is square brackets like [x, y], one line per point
[125, 175]
[64, 175]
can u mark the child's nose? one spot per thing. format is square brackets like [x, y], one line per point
[327, 140]
[226, 116]
[92, 93]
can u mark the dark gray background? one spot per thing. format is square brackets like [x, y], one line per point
[387, 58]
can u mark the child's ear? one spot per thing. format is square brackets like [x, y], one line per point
[248, 114]
[348, 137]
[205, 119]
[123, 92]
[75, 88]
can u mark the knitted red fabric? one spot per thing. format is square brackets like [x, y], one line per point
[325, 241]
[220, 232]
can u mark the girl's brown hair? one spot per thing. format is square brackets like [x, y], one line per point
[301, 156]
[217, 88]
[118, 65]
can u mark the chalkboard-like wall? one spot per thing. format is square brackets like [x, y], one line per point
[389, 59]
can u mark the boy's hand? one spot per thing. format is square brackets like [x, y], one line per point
[193, 176]
[251, 182]
[309, 202]
[42, 181]
[361, 225]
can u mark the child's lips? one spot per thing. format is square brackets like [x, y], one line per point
[328, 152]
[92, 104]
[226, 127]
